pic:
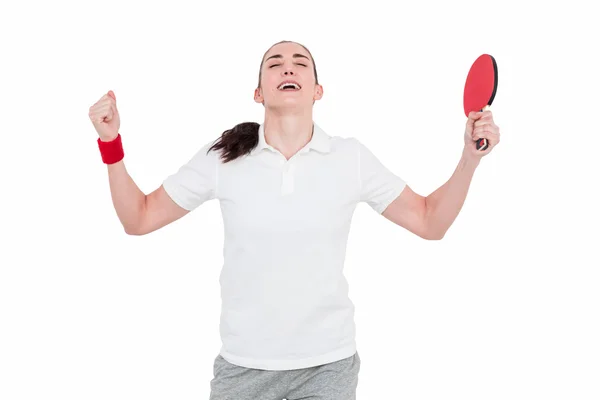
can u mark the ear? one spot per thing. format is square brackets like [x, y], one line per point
[258, 96]
[318, 92]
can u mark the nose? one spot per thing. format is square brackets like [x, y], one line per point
[288, 69]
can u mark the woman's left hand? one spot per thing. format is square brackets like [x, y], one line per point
[480, 125]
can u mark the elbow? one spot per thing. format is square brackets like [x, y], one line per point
[133, 230]
[433, 235]
[135, 226]
[130, 231]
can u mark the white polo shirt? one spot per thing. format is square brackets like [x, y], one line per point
[285, 301]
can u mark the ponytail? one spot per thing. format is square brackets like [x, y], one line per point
[242, 138]
[237, 141]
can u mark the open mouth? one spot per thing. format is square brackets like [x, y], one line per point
[289, 86]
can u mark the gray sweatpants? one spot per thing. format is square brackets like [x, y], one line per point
[334, 381]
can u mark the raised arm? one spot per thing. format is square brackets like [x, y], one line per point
[430, 217]
[139, 213]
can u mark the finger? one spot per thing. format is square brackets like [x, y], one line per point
[483, 132]
[111, 94]
[98, 118]
[104, 100]
[485, 120]
[94, 115]
[490, 137]
[487, 115]
[475, 115]
[97, 114]
[494, 129]
[100, 107]
[101, 111]
[486, 127]
[108, 100]
[105, 106]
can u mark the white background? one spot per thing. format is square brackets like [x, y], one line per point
[506, 306]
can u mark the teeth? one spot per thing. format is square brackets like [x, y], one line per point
[288, 84]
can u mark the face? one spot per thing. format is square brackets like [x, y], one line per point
[287, 62]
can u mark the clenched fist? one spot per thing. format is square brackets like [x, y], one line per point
[481, 125]
[105, 117]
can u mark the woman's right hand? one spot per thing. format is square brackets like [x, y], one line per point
[105, 117]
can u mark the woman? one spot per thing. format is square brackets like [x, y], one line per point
[287, 191]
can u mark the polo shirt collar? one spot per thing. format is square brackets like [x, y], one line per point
[320, 141]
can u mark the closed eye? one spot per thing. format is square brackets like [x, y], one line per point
[275, 65]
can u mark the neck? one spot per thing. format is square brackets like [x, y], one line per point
[288, 133]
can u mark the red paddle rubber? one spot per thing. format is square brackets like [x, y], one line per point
[480, 89]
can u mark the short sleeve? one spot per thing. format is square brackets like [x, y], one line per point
[196, 181]
[378, 185]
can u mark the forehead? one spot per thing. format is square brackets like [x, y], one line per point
[286, 50]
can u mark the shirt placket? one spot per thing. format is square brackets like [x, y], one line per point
[287, 178]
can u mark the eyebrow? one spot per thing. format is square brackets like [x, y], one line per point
[296, 55]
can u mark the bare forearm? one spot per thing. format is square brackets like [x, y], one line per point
[128, 199]
[444, 204]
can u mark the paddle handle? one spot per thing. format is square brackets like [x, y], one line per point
[482, 144]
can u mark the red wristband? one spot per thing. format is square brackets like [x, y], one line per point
[111, 152]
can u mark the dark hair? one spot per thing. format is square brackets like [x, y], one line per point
[243, 137]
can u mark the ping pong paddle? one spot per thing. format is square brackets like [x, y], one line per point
[480, 88]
